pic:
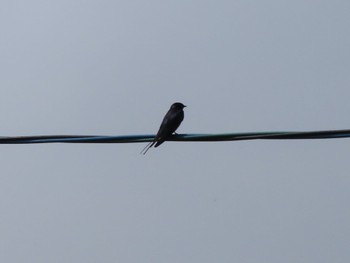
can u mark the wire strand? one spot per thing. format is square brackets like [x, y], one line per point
[279, 135]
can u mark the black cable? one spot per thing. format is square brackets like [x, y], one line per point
[329, 134]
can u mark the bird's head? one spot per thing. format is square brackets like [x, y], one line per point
[177, 106]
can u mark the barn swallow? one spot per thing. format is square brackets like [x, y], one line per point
[170, 123]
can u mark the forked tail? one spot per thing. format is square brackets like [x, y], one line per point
[148, 146]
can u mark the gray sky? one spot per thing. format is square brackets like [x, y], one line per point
[114, 68]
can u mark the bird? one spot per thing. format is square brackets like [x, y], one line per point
[170, 123]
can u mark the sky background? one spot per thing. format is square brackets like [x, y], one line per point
[114, 68]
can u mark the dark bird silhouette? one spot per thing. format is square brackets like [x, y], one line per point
[170, 123]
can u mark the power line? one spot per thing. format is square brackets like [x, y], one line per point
[279, 135]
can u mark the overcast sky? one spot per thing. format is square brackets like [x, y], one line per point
[113, 67]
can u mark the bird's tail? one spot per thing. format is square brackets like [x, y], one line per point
[159, 142]
[148, 146]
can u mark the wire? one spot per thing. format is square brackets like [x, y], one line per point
[282, 135]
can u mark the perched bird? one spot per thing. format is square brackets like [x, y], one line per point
[170, 123]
